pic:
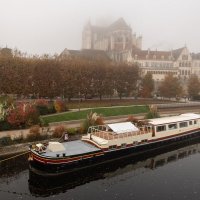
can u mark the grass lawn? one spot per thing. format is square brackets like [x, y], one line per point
[92, 103]
[129, 110]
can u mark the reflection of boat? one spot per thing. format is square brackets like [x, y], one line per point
[111, 141]
[46, 186]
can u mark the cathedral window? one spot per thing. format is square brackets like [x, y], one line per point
[184, 57]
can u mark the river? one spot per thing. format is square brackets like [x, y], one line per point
[170, 173]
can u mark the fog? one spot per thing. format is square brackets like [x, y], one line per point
[49, 26]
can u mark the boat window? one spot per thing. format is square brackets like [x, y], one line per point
[57, 155]
[113, 147]
[172, 126]
[183, 124]
[144, 141]
[160, 128]
[195, 121]
[123, 145]
[190, 122]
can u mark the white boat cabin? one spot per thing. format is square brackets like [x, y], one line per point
[126, 133]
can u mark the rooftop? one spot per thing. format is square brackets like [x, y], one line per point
[73, 148]
[174, 119]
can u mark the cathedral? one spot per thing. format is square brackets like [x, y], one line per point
[117, 37]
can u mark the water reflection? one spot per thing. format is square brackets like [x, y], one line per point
[11, 168]
[41, 186]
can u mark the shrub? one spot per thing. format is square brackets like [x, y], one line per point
[59, 105]
[5, 141]
[93, 119]
[153, 112]
[34, 133]
[4, 126]
[31, 115]
[43, 122]
[23, 115]
[16, 116]
[72, 131]
[58, 131]
[131, 118]
[42, 106]
[35, 129]
[51, 108]
[18, 139]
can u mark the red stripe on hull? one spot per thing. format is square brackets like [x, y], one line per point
[61, 160]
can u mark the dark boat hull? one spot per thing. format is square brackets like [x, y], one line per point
[46, 186]
[109, 155]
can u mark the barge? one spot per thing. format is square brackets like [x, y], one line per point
[113, 141]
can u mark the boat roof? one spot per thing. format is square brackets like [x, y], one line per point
[72, 148]
[174, 119]
[122, 127]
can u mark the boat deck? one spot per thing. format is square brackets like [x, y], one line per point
[111, 136]
[72, 148]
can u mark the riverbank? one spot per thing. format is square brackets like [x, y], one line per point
[16, 149]
[20, 148]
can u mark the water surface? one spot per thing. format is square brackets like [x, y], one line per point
[170, 173]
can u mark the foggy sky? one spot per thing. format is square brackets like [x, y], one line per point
[49, 26]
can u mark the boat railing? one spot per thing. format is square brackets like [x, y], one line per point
[100, 131]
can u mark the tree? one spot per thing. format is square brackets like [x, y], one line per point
[170, 87]
[47, 78]
[147, 86]
[193, 86]
[126, 77]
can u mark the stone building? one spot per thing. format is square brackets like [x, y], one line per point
[114, 38]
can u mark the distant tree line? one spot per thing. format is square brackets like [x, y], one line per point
[51, 76]
[77, 76]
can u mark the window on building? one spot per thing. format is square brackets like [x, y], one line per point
[172, 126]
[190, 123]
[184, 57]
[185, 72]
[160, 128]
[195, 121]
[183, 124]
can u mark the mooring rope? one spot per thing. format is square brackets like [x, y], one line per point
[13, 157]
